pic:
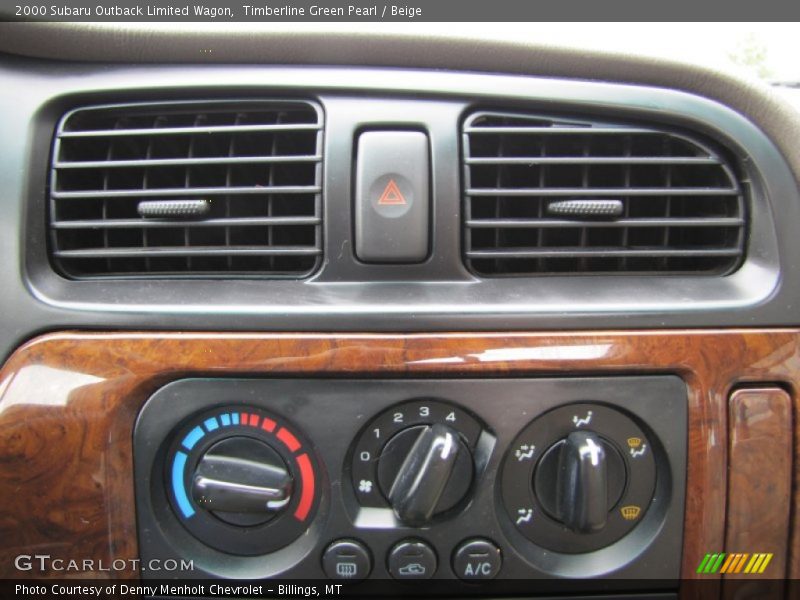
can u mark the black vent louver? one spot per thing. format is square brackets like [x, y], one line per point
[547, 196]
[188, 189]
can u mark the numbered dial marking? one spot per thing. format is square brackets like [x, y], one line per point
[372, 483]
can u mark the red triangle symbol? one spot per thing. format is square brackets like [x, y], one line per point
[392, 195]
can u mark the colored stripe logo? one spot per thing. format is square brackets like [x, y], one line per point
[734, 562]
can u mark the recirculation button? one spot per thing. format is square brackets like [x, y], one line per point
[412, 559]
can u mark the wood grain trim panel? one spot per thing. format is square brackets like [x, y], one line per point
[793, 567]
[759, 483]
[68, 402]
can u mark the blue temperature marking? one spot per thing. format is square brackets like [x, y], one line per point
[193, 437]
[226, 419]
[178, 465]
[235, 418]
[211, 424]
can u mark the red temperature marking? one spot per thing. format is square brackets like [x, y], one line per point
[307, 495]
[288, 439]
[243, 418]
[268, 424]
[254, 420]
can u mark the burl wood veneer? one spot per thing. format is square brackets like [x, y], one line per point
[759, 489]
[68, 403]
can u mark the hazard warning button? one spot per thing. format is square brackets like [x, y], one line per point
[392, 197]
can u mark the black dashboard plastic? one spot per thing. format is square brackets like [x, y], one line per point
[346, 295]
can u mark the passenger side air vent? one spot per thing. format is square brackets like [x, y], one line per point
[547, 196]
[188, 189]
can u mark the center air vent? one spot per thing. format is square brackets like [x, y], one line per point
[188, 189]
[549, 196]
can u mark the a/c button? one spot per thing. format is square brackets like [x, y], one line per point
[477, 559]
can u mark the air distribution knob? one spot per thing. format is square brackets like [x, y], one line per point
[242, 481]
[423, 471]
[578, 481]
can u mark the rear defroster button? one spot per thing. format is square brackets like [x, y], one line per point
[477, 559]
[347, 559]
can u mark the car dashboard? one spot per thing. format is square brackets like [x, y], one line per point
[383, 309]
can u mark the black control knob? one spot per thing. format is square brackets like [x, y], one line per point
[242, 481]
[579, 480]
[423, 471]
[591, 474]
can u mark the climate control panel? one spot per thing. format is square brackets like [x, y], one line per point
[472, 481]
[242, 480]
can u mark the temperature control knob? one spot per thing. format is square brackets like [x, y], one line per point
[423, 471]
[242, 481]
